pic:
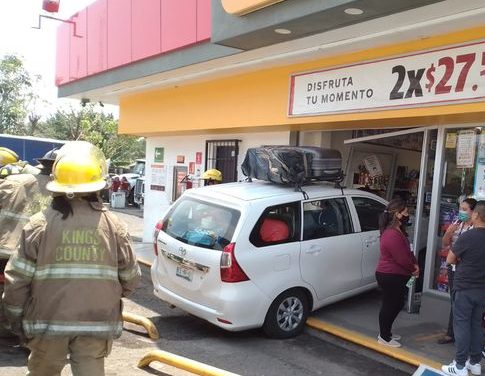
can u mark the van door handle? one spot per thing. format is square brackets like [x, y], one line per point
[313, 250]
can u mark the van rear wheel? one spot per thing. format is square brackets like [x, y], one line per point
[287, 315]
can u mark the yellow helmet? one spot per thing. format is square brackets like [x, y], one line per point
[7, 156]
[80, 167]
[212, 174]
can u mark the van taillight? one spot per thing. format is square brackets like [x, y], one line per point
[230, 270]
[158, 228]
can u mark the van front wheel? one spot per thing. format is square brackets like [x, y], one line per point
[287, 315]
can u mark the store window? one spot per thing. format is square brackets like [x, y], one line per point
[463, 167]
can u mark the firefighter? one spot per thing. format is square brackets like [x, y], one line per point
[212, 177]
[22, 193]
[74, 263]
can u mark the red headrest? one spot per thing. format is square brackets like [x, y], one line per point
[274, 230]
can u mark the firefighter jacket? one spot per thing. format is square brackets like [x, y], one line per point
[21, 196]
[67, 276]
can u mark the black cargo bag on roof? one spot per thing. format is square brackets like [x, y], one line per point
[292, 165]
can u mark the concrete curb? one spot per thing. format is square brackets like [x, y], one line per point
[371, 343]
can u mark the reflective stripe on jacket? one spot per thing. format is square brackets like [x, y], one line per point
[68, 276]
[21, 196]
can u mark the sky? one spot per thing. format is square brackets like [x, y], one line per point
[38, 47]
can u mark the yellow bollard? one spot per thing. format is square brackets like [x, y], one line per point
[182, 363]
[142, 321]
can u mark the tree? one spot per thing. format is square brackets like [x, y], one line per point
[15, 94]
[99, 128]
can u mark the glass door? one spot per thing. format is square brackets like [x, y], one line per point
[414, 151]
[460, 174]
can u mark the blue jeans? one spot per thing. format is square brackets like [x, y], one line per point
[468, 308]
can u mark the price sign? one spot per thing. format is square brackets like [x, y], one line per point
[454, 74]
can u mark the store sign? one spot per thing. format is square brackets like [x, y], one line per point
[242, 7]
[426, 371]
[448, 75]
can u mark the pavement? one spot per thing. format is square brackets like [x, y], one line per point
[133, 217]
[357, 316]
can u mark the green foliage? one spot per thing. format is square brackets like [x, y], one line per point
[98, 128]
[15, 94]
[17, 100]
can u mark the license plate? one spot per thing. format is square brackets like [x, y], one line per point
[184, 273]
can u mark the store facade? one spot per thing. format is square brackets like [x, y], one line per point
[403, 103]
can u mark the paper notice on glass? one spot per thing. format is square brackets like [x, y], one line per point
[373, 165]
[159, 175]
[450, 141]
[465, 149]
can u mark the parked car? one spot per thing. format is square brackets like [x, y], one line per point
[255, 254]
[139, 192]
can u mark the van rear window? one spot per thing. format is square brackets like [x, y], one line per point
[200, 223]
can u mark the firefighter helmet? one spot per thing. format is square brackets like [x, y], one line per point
[47, 161]
[7, 156]
[80, 167]
[212, 174]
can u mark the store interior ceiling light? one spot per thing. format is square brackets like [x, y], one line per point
[282, 31]
[353, 11]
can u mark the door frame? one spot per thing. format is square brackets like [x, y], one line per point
[434, 210]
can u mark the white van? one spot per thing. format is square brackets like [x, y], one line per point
[255, 254]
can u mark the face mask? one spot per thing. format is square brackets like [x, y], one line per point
[463, 216]
[404, 220]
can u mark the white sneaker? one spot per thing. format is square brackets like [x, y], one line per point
[391, 343]
[475, 369]
[396, 337]
[452, 370]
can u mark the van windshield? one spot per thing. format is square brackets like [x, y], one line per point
[200, 223]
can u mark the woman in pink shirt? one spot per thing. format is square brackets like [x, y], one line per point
[396, 265]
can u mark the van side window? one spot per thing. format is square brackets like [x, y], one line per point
[277, 225]
[325, 218]
[368, 211]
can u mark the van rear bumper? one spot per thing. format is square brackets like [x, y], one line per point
[239, 306]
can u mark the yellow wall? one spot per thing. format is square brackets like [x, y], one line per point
[259, 100]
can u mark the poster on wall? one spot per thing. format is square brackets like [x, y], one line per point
[158, 177]
[480, 170]
[198, 158]
[465, 149]
[373, 165]
[450, 141]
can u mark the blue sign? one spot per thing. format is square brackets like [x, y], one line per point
[427, 371]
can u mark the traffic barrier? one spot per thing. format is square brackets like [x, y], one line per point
[142, 321]
[183, 363]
